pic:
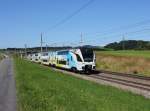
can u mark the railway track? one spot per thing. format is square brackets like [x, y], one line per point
[122, 81]
[131, 80]
[124, 74]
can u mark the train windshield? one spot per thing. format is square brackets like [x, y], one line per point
[87, 54]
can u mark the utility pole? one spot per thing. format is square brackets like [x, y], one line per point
[81, 40]
[25, 50]
[123, 42]
[41, 43]
[46, 47]
[63, 44]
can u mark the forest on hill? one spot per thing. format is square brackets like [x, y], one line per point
[129, 45]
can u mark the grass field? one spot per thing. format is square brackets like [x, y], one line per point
[129, 53]
[124, 61]
[42, 89]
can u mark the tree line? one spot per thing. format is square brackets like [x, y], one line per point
[122, 45]
[129, 45]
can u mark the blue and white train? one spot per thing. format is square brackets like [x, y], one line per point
[78, 59]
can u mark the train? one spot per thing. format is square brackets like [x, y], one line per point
[76, 59]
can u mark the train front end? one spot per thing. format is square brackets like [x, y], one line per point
[85, 59]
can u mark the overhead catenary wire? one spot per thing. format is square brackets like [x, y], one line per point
[70, 16]
[126, 27]
[108, 34]
[118, 35]
[98, 38]
[76, 42]
[103, 33]
[67, 18]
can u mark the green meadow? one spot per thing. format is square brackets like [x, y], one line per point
[40, 88]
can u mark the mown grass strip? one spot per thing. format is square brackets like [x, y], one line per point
[42, 89]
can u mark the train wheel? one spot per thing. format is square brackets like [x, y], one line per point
[74, 69]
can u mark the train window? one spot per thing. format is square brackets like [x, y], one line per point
[62, 52]
[71, 58]
[59, 53]
[87, 54]
[62, 62]
[67, 61]
[44, 60]
[78, 58]
[45, 54]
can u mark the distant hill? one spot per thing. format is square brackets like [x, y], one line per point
[129, 45]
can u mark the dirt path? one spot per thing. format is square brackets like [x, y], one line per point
[7, 86]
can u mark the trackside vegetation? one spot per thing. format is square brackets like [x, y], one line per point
[41, 89]
[1, 57]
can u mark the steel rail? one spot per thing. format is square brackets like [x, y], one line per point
[122, 82]
[124, 74]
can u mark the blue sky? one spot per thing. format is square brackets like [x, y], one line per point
[22, 21]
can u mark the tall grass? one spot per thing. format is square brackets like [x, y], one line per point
[125, 61]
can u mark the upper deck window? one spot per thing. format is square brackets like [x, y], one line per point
[62, 53]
